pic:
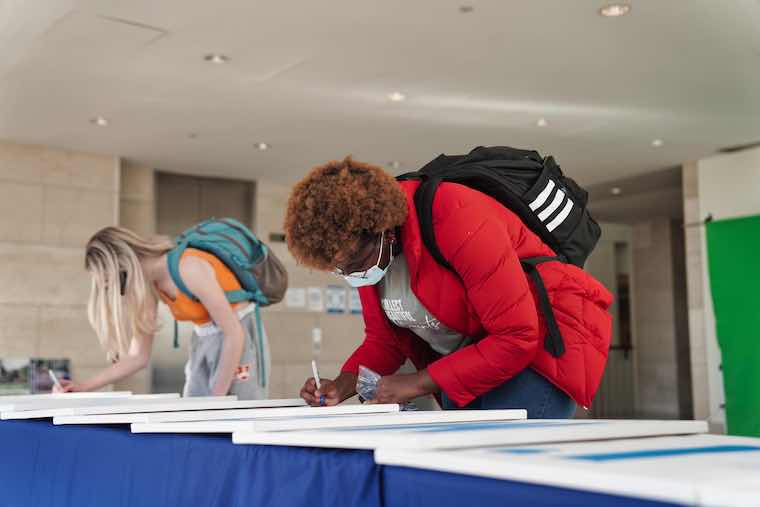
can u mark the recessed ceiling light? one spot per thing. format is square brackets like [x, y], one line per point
[466, 9]
[616, 191]
[99, 121]
[216, 58]
[657, 143]
[263, 146]
[542, 122]
[615, 10]
[395, 164]
[396, 97]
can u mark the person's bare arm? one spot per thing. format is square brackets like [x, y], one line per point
[136, 359]
[199, 277]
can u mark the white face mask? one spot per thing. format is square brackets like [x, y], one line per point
[373, 274]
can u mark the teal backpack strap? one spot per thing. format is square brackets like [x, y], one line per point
[172, 261]
[236, 296]
[260, 345]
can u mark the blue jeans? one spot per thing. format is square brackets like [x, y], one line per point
[527, 390]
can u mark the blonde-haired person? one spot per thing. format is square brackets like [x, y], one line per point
[131, 275]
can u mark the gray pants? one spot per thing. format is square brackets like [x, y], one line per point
[251, 380]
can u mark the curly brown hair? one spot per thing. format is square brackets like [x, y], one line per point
[335, 206]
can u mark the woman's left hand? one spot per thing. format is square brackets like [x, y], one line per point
[402, 388]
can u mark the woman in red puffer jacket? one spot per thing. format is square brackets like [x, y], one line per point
[474, 335]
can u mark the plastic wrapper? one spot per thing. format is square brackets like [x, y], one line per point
[366, 387]
[366, 383]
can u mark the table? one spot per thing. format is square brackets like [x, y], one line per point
[695, 470]
[42, 465]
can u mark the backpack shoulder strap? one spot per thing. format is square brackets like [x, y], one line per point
[172, 259]
[423, 202]
[553, 342]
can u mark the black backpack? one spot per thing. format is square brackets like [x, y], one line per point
[534, 188]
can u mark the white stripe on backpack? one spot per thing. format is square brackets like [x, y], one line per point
[543, 196]
[558, 200]
[562, 216]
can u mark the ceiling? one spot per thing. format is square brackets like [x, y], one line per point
[313, 78]
[638, 198]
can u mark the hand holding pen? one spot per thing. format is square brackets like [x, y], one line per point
[61, 386]
[326, 392]
[322, 399]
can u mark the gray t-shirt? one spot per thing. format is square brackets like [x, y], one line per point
[403, 308]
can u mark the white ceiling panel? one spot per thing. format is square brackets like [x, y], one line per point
[313, 78]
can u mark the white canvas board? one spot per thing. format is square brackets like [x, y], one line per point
[181, 412]
[196, 427]
[51, 403]
[697, 470]
[730, 493]
[470, 434]
[64, 400]
[397, 418]
[13, 398]
[156, 396]
[212, 403]
[101, 419]
[320, 417]
[119, 406]
[269, 413]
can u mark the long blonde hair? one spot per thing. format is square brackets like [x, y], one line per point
[113, 254]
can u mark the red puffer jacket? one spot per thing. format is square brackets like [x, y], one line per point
[491, 301]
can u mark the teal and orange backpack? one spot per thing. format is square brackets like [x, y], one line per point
[262, 276]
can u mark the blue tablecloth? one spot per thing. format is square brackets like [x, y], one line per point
[409, 487]
[42, 465]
